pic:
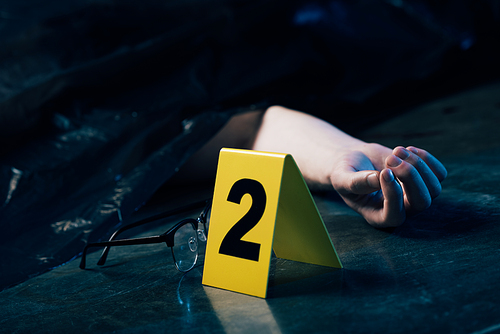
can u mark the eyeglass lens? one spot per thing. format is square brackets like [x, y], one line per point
[185, 249]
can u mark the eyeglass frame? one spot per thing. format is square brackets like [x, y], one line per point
[167, 237]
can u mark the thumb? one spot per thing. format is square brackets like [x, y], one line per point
[359, 183]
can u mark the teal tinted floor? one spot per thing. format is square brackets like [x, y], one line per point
[437, 273]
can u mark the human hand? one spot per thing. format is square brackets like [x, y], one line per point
[384, 186]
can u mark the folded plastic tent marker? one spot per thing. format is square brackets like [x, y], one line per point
[261, 202]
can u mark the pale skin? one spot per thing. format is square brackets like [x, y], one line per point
[383, 185]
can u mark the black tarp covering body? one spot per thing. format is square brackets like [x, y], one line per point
[102, 101]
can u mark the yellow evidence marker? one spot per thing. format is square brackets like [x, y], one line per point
[261, 202]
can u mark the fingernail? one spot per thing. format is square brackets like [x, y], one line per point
[388, 175]
[402, 153]
[373, 181]
[412, 149]
[394, 161]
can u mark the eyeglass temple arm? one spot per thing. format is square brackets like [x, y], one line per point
[122, 229]
[124, 242]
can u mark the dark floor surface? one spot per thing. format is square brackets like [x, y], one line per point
[437, 273]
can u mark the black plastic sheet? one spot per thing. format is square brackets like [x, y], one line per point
[102, 101]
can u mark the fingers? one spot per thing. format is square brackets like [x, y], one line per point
[394, 213]
[410, 180]
[356, 183]
[420, 182]
[434, 164]
[361, 183]
[355, 175]
[362, 193]
[391, 212]
[430, 179]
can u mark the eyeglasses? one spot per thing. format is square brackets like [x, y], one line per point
[182, 238]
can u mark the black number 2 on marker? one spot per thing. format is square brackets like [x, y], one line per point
[232, 244]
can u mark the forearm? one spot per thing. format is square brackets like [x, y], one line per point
[315, 145]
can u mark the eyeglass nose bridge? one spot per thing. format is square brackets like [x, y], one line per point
[202, 234]
[203, 222]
